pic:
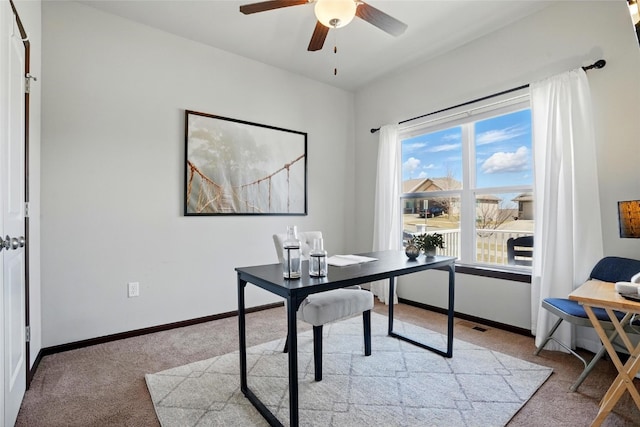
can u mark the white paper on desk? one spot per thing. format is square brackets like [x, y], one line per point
[344, 260]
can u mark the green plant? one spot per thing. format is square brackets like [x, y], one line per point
[426, 242]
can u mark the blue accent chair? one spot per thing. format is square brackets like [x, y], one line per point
[608, 269]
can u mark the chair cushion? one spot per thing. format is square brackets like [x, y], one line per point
[330, 306]
[573, 308]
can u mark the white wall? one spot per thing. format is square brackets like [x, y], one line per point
[30, 15]
[114, 95]
[562, 37]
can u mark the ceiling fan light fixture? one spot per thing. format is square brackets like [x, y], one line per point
[335, 13]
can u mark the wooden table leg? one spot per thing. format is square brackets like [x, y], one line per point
[630, 368]
[626, 372]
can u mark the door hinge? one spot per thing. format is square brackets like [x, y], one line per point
[28, 334]
[26, 209]
[27, 84]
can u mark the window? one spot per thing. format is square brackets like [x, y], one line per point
[469, 176]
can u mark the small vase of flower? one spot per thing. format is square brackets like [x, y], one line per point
[428, 243]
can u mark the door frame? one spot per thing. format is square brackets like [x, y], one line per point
[27, 75]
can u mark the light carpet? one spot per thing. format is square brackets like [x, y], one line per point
[398, 385]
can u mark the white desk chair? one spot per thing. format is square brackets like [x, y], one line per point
[325, 307]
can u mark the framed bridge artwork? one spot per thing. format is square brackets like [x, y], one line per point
[234, 167]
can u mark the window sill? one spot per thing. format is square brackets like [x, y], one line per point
[494, 273]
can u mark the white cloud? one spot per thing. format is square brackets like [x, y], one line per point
[414, 146]
[452, 137]
[444, 147]
[507, 162]
[499, 135]
[411, 164]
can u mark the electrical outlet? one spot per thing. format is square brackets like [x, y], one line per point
[133, 289]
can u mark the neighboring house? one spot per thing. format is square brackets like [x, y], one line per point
[487, 205]
[425, 185]
[421, 185]
[525, 205]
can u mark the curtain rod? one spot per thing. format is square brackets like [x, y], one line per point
[598, 64]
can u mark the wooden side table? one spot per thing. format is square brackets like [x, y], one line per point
[594, 294]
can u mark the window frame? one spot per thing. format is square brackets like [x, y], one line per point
[466, 117]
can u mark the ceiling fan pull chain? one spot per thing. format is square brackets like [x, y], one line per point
[335, 53]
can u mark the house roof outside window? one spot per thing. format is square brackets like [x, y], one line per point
[420, 185]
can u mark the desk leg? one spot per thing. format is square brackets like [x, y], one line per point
[244, 387]
[292, 307]
[450, 318]
[243, 336]
[391, 294]
[451, 310]
[626, 372]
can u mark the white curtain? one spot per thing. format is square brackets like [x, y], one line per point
[568, 229]
[387, 222]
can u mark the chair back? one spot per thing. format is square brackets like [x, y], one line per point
[615, 269]
[520, 250]
[306, 243]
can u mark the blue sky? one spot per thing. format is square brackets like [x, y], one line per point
[503, 152]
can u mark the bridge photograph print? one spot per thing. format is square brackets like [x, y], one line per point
[234, 167]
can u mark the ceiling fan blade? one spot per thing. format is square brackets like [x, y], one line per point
[380, 19]
[263, 6]
[318, 37]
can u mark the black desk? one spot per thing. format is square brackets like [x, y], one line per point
[389, 265]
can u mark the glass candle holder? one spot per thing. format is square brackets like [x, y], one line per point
[291, 264]
[318, 259]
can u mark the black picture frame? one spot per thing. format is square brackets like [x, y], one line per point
[236, 167]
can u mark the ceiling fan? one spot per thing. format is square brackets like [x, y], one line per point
[333, 14]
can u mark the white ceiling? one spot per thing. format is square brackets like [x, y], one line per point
[280, 37]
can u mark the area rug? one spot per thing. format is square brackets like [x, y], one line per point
[398, 385]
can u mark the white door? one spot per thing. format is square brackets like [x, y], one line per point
[12, 213]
